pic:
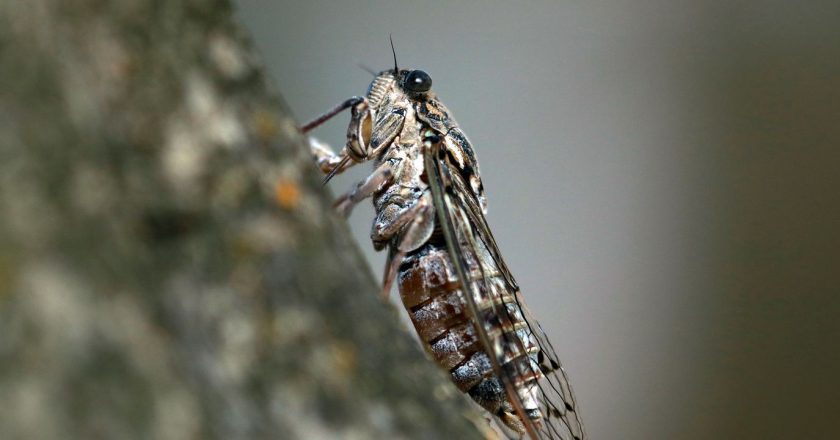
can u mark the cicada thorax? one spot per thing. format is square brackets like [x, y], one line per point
[434, 298]
[434, 114]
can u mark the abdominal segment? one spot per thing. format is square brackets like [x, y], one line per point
[435, 301]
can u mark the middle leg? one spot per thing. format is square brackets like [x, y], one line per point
[381, 176]
[420, 220]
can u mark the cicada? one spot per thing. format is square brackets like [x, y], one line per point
[459, 293]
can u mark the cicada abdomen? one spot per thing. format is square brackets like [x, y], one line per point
[434, 298]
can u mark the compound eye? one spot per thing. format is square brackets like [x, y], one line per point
[418, 81]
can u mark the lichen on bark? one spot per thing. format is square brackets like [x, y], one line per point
[169, 264]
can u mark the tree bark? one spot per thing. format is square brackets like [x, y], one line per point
[170, 266]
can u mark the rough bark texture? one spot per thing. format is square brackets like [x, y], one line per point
[169, 264]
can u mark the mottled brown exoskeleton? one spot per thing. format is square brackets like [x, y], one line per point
[459, 293]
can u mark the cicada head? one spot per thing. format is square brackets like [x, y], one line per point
[417, 84]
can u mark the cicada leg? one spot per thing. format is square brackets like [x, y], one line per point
[420, 219]
[354, 151]
[380, 177]
[350, 102]
[327, 160]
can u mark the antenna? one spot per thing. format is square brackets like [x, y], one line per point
[396, 69]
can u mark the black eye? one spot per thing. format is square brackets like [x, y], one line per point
[418, 81]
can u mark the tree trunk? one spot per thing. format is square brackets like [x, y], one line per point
[170, 266]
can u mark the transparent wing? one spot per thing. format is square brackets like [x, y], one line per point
[521, 353]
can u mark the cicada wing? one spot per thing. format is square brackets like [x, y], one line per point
[503, 325]
[557, 398]
[443, 200]
[556, 395]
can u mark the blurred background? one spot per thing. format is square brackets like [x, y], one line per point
[663, 178]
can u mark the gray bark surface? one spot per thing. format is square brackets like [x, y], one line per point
[170, 266]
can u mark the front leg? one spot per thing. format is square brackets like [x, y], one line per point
[363, 141]
[354, 151]
[327, 160]
[350, 102]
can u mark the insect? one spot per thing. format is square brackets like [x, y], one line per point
[460, 295]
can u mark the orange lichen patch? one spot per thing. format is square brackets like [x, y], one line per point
[265, 124]
[287, 194]
[344, 357]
